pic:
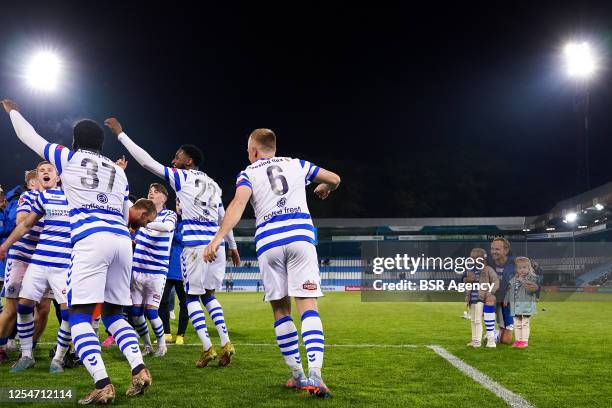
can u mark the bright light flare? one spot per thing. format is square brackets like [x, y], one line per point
[43, 71]
[570, 217]
[580, 60]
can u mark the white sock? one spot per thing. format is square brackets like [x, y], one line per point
[87, 345]
[25, 328]
[63, 341]
[489, 318]
[198, 320]
[288, 342]
[96, 324]
[126, 338]
[216, 315]
[314, 341]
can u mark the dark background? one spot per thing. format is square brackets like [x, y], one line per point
[450, 111]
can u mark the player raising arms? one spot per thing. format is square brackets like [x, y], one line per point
[97, 193]
[284, 241]
[202, 211]
[150, 268]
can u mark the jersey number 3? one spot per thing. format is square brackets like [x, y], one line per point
[92, 181]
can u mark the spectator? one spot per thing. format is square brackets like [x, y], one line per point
[521, 299]
[503, 264]
[480, 301]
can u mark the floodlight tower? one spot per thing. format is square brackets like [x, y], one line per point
[581, 65]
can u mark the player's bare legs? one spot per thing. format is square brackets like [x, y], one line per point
[41, 318]
[218, 318]
[7, 322]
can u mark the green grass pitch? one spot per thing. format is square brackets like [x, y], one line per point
[566, 365]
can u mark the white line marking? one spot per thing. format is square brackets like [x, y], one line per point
[512, 399]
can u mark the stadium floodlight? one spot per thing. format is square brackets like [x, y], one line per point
[43, 71]
[580, 60]
[599, 207]
[570, 217]
[550, 229]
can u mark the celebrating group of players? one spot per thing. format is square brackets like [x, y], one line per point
[75, 241]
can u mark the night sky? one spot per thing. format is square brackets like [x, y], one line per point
[445, 111]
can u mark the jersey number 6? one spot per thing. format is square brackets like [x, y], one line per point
[276, 179]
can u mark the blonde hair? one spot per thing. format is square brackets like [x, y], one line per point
[31, 174]
[264, 139]
[524, 260]
[504, 241]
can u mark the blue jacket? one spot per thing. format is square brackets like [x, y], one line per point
[507, 272]
[8, 218]
[174, 268]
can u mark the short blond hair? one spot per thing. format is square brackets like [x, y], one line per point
[503, 240]
[264, 139]
[30, 174]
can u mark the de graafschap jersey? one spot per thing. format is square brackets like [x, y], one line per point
[200, 200]
[96, 189]
[23, 249]
[54, 246]
[152, 250]
[279, 200]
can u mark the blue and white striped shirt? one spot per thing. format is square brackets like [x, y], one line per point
[23, 249]
[279, 200]
[54, 247]
[200, 200]
[96, 189]
[152, 251]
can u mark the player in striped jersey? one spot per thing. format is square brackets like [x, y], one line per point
[48, 267]
[202, 210]
[18, 260]
[97, 192]
[284, 242]
[149, 270]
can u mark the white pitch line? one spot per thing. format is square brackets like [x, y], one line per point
[512, 399]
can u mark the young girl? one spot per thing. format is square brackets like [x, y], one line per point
[521, 298]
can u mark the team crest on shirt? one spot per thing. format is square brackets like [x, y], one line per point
[21, 201]
[308, 285]
[102, 198]
[281, 203]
